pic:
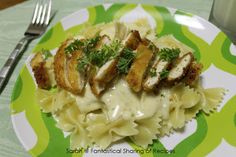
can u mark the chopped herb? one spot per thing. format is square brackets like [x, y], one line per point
[164, 74]
[168, 54]
[75, 45]
[89, 44]
[156, 35]
[85, 45]
[100, 57]
[125, 61]
[162, 95]
[46, 54]
[152, 47]
[83, 62]
[153, 72]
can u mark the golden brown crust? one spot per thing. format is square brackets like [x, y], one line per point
[75, 78]
[41, 76]
[138, 68]
[60, 63]
[37, 59]
[40, 71]
[193, 73]
[185, 68]
[133, 40]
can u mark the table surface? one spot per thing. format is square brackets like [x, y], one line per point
[8, 3]
[13, 22]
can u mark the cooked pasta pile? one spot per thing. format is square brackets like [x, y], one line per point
[121, 110]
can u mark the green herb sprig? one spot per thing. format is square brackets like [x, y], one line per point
[75, 45]
[168, 54]
[46, 54]
[125, 61]
[100, 57]
[164, 74]
[86, 45]
[83, 63]
[153, 72]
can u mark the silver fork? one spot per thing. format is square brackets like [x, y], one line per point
[36, 28]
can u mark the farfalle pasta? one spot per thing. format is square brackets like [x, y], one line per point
[127, 83]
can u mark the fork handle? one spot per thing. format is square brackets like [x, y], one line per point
[10, 63]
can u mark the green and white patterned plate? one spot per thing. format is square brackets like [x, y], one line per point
[213, 135]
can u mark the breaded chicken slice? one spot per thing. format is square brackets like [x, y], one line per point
[76, 78]
[132, 40]
[109, 70]
[193, 73]
[180, 67]
[139, 66]
[97, 86]
[60, 67]
[153, 80]
[42, 68]
[40, 71]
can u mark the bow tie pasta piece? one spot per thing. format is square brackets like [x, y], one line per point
[103, 132]
[52, 101]
[148, 129]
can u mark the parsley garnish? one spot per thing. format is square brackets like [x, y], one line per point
[89, 44]
[125, 61]
[152, 47]
[83, 63]
[153, 72]
[168, 54]
[164, 74]
[100, 57]
[85, 45]
[75, 45]
[46, 54]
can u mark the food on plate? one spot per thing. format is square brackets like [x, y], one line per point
[120, 80]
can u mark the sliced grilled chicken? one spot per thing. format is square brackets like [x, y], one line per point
[193, 73]
[76, 79]
[97, 87]
[37, 59]
[139, 66]
[133, 39]
[41, 75]
[97, 75]
[180, 68]
[109, 70]
[151, 81]
[60, 67]
[103, 41]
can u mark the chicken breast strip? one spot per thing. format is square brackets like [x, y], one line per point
[180, 68]
[60, 67]
[138, 68]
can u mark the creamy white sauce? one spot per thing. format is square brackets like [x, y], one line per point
[88, 102]
[120, 101]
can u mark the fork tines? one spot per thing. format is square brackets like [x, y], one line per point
[42, 12]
